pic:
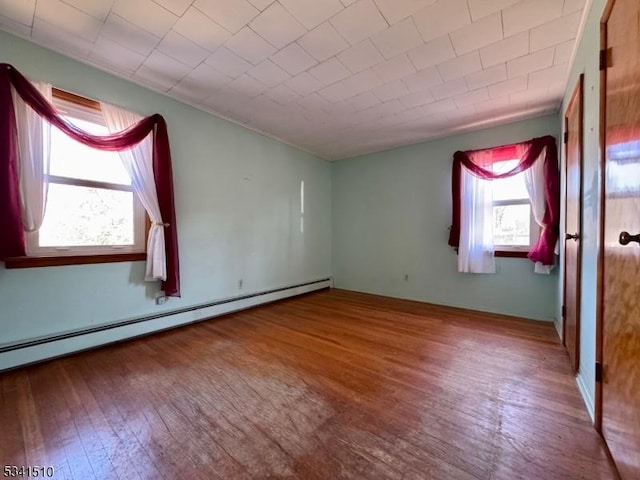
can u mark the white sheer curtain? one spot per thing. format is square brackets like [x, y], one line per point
[34, 147]
[138, 161]
[534, 180]
[476, 250]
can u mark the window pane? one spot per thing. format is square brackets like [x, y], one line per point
[511, 225]
[511, 188]
[72, 159]
[82, 216]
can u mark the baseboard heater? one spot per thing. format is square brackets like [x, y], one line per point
[44, 348]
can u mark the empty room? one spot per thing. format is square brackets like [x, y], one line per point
[320, 239]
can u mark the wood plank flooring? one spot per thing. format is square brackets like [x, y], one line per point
[331, 385]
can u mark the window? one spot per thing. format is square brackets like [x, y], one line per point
[514, 227]
[91, 207]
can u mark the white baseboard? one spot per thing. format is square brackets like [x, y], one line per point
[558, 326]
[42, 349]
[586, 396]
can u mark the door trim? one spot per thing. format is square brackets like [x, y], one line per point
[600, 241]
[577, 96]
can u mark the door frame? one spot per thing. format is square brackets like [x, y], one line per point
[604, 59]
[577, 96]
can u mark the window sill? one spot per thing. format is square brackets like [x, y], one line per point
[31, 262]
[511, 254]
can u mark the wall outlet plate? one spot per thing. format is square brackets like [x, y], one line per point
[161, 300]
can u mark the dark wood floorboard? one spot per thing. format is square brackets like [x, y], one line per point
[331, 385]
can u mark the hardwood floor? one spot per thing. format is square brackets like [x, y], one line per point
[327, 386]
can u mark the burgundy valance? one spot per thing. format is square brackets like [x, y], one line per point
[12, 238]
[527, 153]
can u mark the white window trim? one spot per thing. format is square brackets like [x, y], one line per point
[33, 248]
[534, 228]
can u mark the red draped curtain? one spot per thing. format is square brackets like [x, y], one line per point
[12, 237]
[479, 163]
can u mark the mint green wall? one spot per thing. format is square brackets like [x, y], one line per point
[587, 62]
[391, 213]
[238, 209]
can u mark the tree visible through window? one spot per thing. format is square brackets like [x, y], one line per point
[514, 227]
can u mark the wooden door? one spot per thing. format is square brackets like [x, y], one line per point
[620, 282]
[573, 226]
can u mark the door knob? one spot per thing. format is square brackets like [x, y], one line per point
[569, 236]
[626, 238]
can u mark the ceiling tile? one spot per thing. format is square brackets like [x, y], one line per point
[277, 26]
[563, 52]
[416, 99]
[361, 56]
[199, 28]
[69, 19]
[549, 76]
[231, 14]
[96, 8]
[391, 90]
[261, 4]
[359, 21]
[250, 46]
[504, 50]
[182, 49]
[442, 18]
[512, 85]
[330, 71]
[248, 86]
[528, 14]
[111, 53]
[282, 94]
[460, 66]
[312, 13]
[482, 8]
[20, 11]
[129, 35]
[441, 106]
[478, 34]
[394, 69]
[495, 74]
[364, 100]
[323, 42]
[200, 83]
[177, 7]
[493, 104]
[227, 62]
[161, 70]
[471, 98]
[556, 31]
[303, 84]
[145, 14]
[432, 53]
[12, 26]
[571, 6]
[396, 10]
[530, 63]
[423, 79]
[398, 39]
[449, 89]
[293, 59]
[269, 73]
[48, 34]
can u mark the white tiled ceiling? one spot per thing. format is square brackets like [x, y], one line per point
[337, 78]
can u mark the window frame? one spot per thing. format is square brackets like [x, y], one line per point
[37, 256]
[518, 251]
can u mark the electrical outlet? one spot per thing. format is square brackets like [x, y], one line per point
[240, 283]
[161, 300]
